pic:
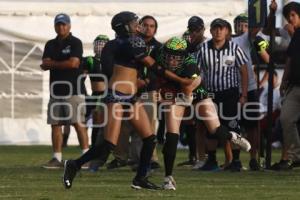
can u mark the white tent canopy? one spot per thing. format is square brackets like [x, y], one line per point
[33, 21]
[25, 26]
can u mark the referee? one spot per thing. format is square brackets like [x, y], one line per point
[220, 61]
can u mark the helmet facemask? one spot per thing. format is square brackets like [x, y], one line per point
[173, 62]
[99, 44]
[98, 47]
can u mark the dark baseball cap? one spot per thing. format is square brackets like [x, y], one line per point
[219, 22]
[62, 18]
[195, 23]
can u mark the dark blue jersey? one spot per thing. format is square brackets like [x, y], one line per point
[130, 51]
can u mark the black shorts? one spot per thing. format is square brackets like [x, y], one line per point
[250, 111]
[227, 108]
[119, 97]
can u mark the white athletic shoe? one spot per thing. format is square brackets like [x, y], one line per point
[199, 164]
[240, 141]
[169, 183]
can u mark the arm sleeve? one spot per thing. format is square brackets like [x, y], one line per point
[107, 59]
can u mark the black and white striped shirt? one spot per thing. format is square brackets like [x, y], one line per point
[220, 67]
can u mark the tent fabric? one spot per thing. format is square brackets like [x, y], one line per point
[33, 21]
[25, 26]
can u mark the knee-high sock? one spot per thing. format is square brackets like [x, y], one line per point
[97, 136]
[95, 132]
[145, 155]
[190, 129]
[100, 151]
[169, 151]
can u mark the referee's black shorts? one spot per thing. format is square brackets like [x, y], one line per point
[250, 111]
[227, 103]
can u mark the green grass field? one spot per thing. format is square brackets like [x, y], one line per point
[21, 177]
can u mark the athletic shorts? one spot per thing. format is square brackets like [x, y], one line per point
[66, 111]
[119, 97]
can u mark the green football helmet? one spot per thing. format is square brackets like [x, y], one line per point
[174, 53]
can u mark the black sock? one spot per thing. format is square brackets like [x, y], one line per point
[236, 154]
[100, 151]
[145, 155]
[95, 132]
[212, 156]
[222, 133]
[169, 151]
[190, 129]
[97, 136]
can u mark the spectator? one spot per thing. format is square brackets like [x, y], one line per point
[62, 57]
[250, 122]
[263, 99]
[66, 134]
[290, 89]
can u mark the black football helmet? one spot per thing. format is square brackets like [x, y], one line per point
[120, 22]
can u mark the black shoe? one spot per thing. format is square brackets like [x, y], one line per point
[116, 163]
[155, 165]
[70, 170]
[143, 183]
[282, 165]
[210, 165]
[254, 165]
[234, 166]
